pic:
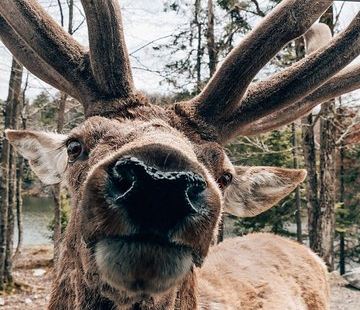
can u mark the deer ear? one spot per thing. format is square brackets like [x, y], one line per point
[256, 189]
[45, 151]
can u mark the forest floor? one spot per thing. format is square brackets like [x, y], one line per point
[33, 276]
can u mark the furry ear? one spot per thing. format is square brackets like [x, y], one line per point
[256, 189]
[45, 151]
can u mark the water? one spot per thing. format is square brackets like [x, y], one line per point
[37, 214]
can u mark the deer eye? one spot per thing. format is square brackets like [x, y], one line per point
[74, 150]
[225, 180]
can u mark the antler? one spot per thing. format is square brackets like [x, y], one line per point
[108, 53]
[344, 82]
[347, 80]
[296, 82]
[290, 19]
[51, 46]
[50, 53]
[31, 60]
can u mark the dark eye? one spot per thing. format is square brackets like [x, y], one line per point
[74, 150]
[225, 180]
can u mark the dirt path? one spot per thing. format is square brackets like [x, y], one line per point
[342, 296]
[33, 274]
[33, 277]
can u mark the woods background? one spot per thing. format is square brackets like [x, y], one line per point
[188, 39]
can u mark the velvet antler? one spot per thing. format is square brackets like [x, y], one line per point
[345, 81]
[289, 20]
[37, 41]
[299, 81]
[31, 60]
[108, 53]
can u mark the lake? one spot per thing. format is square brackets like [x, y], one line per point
[37, 214]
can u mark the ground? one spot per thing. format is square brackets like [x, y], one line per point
[33, 275]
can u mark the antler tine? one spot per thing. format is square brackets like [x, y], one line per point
[344, 82]
[290, 19]
[32, 61]
[108, 53]
[51, 46]
[296, 82]
[318, 36]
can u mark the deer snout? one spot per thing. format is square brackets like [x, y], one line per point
[154, 198]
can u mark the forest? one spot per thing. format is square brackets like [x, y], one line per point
[323, 212]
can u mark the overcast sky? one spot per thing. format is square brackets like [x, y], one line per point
[144, 21]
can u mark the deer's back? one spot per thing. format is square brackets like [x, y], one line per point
[263, 271]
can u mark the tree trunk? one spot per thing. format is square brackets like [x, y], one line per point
[8, 183]
[300, 53]
[4, 203]
[325, 246]
[71, 16]
[19, 176]
[211, 39]
[309, 149]
[342, 262]
[297, 191]
[11, 216]
[19, 205]
[199, 47]
[56, 190]
[327, 172]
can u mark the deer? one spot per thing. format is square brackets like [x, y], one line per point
[149, 183]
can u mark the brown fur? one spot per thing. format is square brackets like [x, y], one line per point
[263, 271]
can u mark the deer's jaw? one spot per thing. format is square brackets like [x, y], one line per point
[140, 266]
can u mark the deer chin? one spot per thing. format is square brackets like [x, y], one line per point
[142, 266]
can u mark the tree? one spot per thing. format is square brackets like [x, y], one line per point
[57, 189]
[20, 173]
[8, 178]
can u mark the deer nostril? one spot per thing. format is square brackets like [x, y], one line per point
[194, 193]
[123, 181]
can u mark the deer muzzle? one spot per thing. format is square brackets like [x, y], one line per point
[154, 199]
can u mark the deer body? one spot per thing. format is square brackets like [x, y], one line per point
[262, 271]
[259, 271]
[149, 184]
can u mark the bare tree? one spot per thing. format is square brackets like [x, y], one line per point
[8, 182]
[328, 136]
[57, 189]
[20, 173]
[211, 45]
[199, 50]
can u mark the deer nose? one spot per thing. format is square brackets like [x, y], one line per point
[152, 198]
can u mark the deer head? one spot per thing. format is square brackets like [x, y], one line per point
[149, 183]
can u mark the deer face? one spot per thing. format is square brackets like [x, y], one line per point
[147, 201]
[148, 197]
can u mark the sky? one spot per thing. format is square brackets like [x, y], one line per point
[144, 21]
